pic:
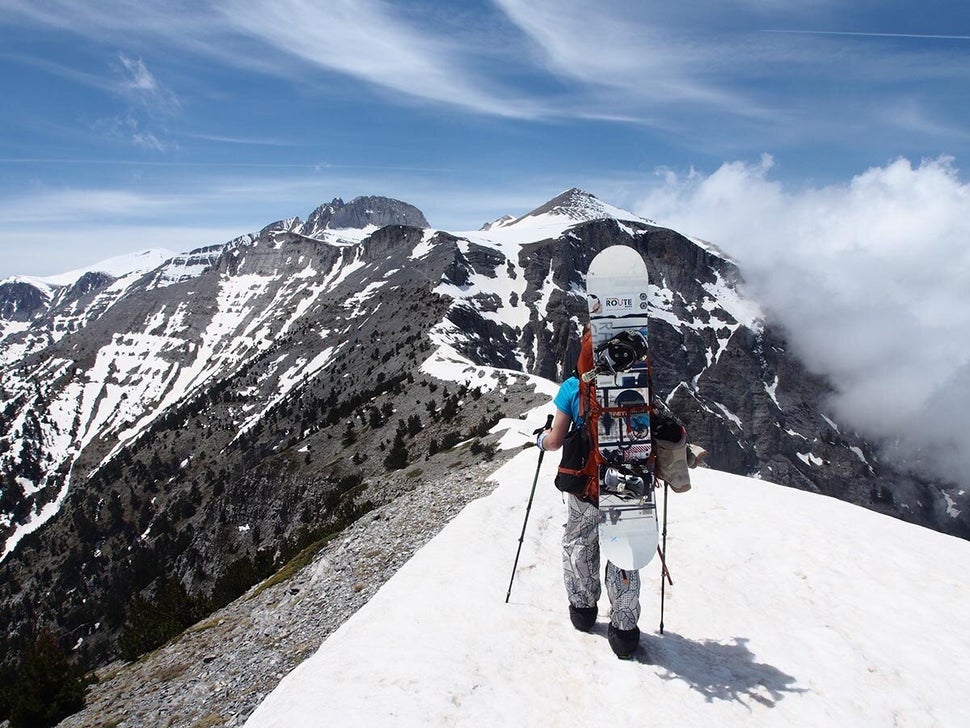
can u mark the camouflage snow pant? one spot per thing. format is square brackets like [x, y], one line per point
[581, 568]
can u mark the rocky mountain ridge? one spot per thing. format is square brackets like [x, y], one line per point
[218, 671]
[209, 419]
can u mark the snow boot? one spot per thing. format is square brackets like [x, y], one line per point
[583, 618]
[623, 641]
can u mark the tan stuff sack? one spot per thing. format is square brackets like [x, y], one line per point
[674, 454]
[671, 464]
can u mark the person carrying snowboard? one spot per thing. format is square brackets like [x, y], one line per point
[580, 546]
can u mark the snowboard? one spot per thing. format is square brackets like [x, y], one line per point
[616, 288]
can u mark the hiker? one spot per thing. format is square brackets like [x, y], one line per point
[581, 550]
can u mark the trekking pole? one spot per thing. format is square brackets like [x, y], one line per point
[528, 507]
[663, 562]
[663, 566]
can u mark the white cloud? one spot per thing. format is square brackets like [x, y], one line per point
[371, 40]
[139, 79]
[56, 206]
[148, 140]
[870, 277]
[129, 129]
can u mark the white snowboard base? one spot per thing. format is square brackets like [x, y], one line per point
[628, 530]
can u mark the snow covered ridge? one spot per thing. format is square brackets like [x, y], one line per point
[118, 267]
[798, 624]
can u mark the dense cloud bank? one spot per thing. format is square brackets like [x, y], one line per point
[869, 276]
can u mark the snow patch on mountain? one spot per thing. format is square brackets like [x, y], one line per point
[551, 220]
[296, 374]
[507, 285]
[446, 364]
[500, 222]
[346, 237]
[725, 296]
[186, 266]
[36, 519]
[45, 288]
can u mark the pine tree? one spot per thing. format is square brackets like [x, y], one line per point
[397, 458]
[48, 686]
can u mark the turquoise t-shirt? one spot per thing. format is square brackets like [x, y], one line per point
[567, 399]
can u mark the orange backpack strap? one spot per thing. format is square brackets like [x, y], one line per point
[589, 412]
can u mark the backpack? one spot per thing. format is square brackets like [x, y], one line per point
[579, 468]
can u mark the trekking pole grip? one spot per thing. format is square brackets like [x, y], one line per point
[547, 426]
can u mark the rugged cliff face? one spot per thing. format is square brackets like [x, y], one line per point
[361, 213]
[205, 421]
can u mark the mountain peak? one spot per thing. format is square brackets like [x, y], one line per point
[362, 212]
[580, 206]
[501, 222]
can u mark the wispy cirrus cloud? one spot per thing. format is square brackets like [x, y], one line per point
[621, 48]
[369, 40]
[141, 88]
[245, 141]
[150, 105]
[129, 129]
[54, 206]
[862, 34]
[712, 72]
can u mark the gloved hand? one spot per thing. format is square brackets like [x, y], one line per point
[540, 439]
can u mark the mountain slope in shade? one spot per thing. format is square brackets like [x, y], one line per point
[787, 609]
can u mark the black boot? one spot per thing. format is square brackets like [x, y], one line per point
[583, 618]
[623, 641]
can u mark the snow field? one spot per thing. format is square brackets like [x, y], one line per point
[787, 608]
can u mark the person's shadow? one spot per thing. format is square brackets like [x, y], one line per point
[717, 671]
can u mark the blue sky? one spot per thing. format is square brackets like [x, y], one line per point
[131, 124]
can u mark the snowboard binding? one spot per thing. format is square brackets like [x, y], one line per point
[619, 353]
[623, 483]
